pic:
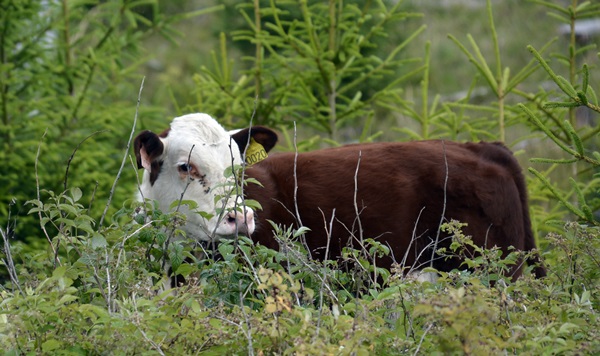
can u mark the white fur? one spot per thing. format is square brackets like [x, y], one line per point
[213, 151]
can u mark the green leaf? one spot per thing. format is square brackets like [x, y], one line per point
[161, 237]
[567, 328]
[546, 130]
[388, 293]
[562, 83]
[591, 94]
[566, 87]
[176, 255]
[552, 161]
[59, 272]
[574, 138]
[191, 204]
[582, 97]
[51, 345]
[205, 215]
[585, 208]
[216, 324]
[185, 269]
[65, 299]
[226, 250]
[301, 231]
[563, 104]
[76, 194]
[252, 180]
[85, 226]
[87, 259]
[69, 209]
[557, 194]
[140, 218]
[98, 241]
[586, 78]
[254, 204]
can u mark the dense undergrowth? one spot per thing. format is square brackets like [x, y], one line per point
[104, 296]
[88, 283]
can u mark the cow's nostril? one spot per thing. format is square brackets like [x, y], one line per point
[231, 219]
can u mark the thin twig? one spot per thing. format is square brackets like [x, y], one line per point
[99, 283]
[65, 181]
[250, 264]
[357, 213]
[442, 217]
[93, 196]
[114, 186]
[37, 186]
[328, 233]
[155, 345]
[139, 184]
[136, 321]
[301, 257]
[9, 262]
[361, 247]
[413, 238]
[109, 287]
[240, 187]
[422, 338]
[248, 331]
[239, 325]
[298, 219]
[122, 244]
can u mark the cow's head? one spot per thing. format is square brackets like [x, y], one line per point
[191, 158]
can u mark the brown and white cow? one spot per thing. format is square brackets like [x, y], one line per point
[401, 191]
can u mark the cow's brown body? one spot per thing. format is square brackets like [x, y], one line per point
[403, 192]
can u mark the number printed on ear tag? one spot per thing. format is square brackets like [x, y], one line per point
[255, 152]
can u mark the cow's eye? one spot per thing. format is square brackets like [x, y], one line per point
[188, 170]
[184, 167]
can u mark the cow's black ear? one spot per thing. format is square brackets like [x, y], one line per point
[263, 135]
[147, 146]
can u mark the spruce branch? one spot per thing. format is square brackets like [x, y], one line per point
[572, 208]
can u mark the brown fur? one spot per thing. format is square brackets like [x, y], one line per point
[400, 196]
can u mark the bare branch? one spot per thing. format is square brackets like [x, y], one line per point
[413, 239]
[248, 331]
[357, 213]
[8, 261]
[37, 186]
[300, 257]
[443, 216]
[155, 345]
[423, 338]
[328, 233]
[112, 190]
[73, 156]
[298, 219]
[239, 188]
[93, 196]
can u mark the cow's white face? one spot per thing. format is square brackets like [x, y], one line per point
[191, 158]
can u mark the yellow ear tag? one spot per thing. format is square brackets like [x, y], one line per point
[255, 152]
